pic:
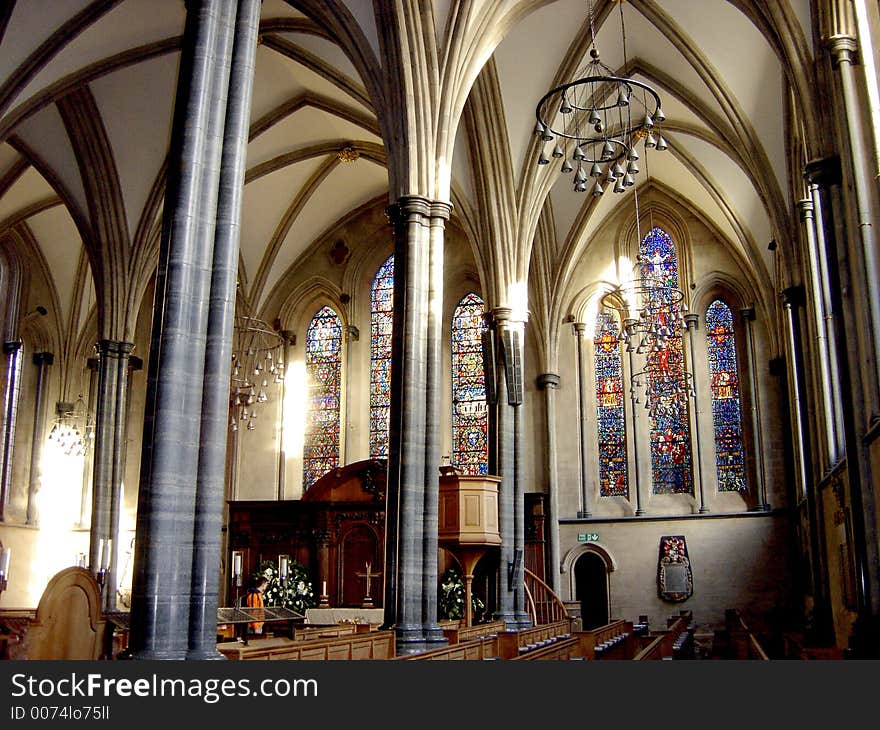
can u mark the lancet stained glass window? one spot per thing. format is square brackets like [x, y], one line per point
[670, 429]
[324, 371]
[381, 317]
[726, 405]
[611, 418]
[470, 423]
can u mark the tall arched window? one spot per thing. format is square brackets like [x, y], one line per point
[610, 415]
[381, 316]
[670, 430]
[470, 423]
[726, 405]
[324, 371]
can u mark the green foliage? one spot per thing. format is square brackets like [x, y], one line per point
[297, 593]
[451, 598]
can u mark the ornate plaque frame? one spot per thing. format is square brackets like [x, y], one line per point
[675, 580]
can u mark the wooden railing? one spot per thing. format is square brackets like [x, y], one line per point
[544, 606]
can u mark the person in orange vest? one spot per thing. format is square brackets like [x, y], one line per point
[254, 599]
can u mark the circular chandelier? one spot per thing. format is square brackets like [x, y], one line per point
[596, 121]
[257, 361]
[73, 430]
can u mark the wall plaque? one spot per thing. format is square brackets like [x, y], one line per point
[675, 581]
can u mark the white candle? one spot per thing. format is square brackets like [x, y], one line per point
[236, 564]
[4, 562]
[324, 588]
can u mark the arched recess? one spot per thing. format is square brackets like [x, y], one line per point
[571, 557]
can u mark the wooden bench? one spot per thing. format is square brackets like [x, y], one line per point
[615, 640]
[513, 643]
[461, 634]
[372, 645]
[662, 646]
[474, 650]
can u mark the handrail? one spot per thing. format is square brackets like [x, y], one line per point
[545, 607]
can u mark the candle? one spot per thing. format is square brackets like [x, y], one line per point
[324, 588]
[4, 562]
[236, 564]
[282, 567]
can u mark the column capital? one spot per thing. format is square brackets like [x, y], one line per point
[11, 346]
[692, 320]
[793, 296]
[823, 171]
[579, 328]
[842, 47]
[548, 380]
[505, 316]
[113, 348]
[748, 314]
[43, 358]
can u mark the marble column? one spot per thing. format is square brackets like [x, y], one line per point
[12, 351]
[411, 221]
[549, 383]
[434, 383]
[748, 316]
[844, 51]
[579, 330]
[210, 484]
[161, 590]
[692, 321]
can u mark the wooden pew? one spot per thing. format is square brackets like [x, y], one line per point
[474, 650]
[663, 643]
[512, 643]
[461, 634]
[740, 641]
[615, 640]
[372, 645]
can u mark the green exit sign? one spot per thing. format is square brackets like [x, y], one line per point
[588, 537]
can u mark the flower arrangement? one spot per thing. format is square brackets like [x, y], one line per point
[451, 598]
[297, 592]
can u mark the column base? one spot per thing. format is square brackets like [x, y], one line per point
[584, 515]
[434, 635]
[639, 513]
[704, 510]
[205, 655]
[523, 621]
[409, 639]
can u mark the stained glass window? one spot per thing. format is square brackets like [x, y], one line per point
[670, 427]
[381, 315]
[470, 423]
[726, 406]
[324, 370]
[611, 419]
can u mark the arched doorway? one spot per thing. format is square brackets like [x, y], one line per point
[591, 589]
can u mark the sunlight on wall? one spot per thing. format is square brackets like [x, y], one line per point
[57, 544]
[295, 407]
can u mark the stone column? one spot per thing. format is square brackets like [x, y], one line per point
[289, 340]
[549, 383]
[120, 421]
[748, 316]
[434, 383]
[210, 485]
[161, 591]
[826, 388]
[411, 220]
[42, 360]
[12, 350]
[844, 49]
[793, 299]
[89, 463]
[579, 329]
[692, 321]
[105, 445]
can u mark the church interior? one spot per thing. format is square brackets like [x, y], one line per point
[511, 328]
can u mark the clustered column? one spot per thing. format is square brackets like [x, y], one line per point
[692, 321]
[12, 351]
[174, 593]
[414, 450]
[579, 330]
[748, 316]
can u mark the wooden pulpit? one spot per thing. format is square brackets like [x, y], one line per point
[468, 521]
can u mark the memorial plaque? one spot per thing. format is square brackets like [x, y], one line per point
[675, 580]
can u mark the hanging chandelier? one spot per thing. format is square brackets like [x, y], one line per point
[596, 121]
[73, 429]
[257, 362]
